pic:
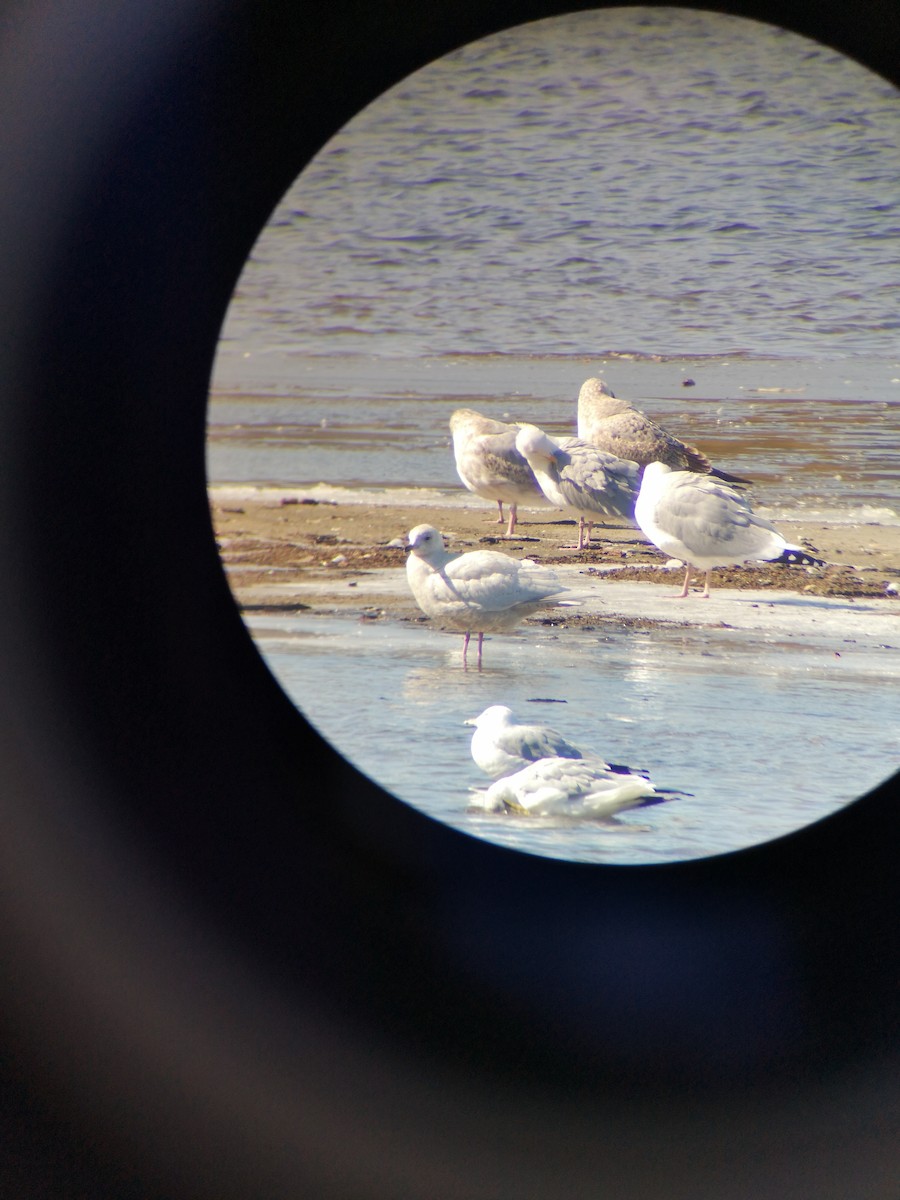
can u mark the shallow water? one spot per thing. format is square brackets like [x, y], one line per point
[766, 735]
[815, 438]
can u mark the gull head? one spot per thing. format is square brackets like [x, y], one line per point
[497, 714]
[654, 471]
[532, 442]
[592, 388]
[463, 417]
[425, 541]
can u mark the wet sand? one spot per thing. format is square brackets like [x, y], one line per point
[284, 550]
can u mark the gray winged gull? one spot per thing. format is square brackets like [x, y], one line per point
[703, 522]
[580, 479]
[490, 466]
[569, 787]
[616, 426]
[502, 745]
[480, 592]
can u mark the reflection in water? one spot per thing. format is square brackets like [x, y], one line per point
[433, 684]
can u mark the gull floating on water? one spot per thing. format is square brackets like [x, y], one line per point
[570, 787]
[490, 466]
[705, 523]
[503, 748]
[480, 592]
[616, 426]
[580, 479]
[500, 745]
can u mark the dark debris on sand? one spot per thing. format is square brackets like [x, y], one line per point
[252, 559]
[815, 581]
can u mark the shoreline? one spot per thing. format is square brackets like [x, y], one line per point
[277, 543]
[780, 663]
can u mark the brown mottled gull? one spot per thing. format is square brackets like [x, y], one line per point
[489, 464]
[580, 479]
[616, 426]
[481, 592]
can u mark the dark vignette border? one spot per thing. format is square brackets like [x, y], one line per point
[229, 974]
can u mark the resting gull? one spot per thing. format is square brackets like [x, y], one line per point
[490, 466]
[580, 479]
[481, 592]
[616, 426]
[704, 523]
[502, 745]
[569, 787]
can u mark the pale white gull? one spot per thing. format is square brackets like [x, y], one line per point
[480, 592]
[616, 426]
[500, 745]
[490, 466]
[580, 479]
[704, 523]
[569, 787]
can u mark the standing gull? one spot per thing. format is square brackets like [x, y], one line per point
[580, 479]
[481, 592]
[490, 466]
[568, 787]
[501, 745]
[617, 427]
[703, 522]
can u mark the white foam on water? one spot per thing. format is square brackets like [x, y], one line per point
[865, 514]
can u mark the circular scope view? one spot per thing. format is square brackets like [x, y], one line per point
[553, 436]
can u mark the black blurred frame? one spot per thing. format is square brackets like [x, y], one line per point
[227, 973]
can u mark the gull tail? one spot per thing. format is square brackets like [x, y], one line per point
[726, 478]
[621, 769]
[662, 793]
[797, 556]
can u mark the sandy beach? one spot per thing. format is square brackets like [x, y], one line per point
[285, 549]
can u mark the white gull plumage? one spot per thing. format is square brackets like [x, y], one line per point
[480, 592]
[501, 745]
[569, 787]
[580, 479]
[490, 466]
[703, 522]
[616, 426]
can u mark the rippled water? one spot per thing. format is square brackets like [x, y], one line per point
[652, 180]
[814, 437]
